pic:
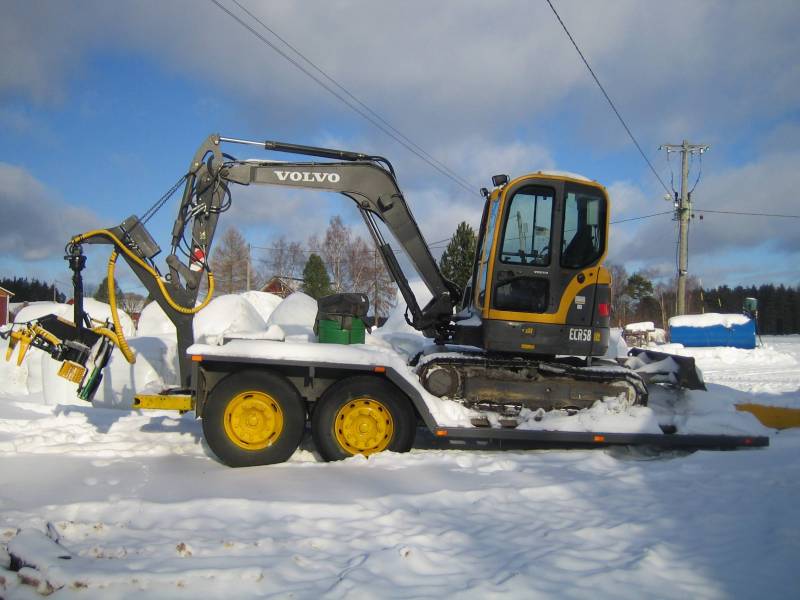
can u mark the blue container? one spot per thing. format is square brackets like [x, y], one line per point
[737, 336]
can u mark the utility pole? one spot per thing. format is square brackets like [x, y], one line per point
[249, 254]
[683, 211]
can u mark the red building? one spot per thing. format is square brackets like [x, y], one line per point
[5, 298]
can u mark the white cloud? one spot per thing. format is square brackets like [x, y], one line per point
[36, 224]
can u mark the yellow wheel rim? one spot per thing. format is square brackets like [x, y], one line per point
[364, 426]
[253, 420]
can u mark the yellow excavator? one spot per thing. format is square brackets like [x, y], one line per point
[527, 335]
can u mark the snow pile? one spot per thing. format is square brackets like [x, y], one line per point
[295, 316]
[154, 321]
[708, 320]
[226, 315]
[617, 347]
[264, 302]
[396, 333]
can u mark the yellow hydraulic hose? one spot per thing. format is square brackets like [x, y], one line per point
[174, 305]
[119, 338]
[41, 331]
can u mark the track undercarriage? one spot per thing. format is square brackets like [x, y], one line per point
[505, 385]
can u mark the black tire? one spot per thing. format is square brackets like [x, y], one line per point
[241, 416]
[375, 397]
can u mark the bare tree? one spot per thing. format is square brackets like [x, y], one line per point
[230, 262]
[355, 266]
[285, 259]
[334, 251]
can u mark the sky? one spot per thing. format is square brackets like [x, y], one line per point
[102, 105]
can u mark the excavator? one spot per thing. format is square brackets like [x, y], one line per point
[527, 334]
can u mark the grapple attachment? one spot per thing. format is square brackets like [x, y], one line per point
[82, 352]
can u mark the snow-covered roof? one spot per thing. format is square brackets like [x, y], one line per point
[639, 327]
[708, 320]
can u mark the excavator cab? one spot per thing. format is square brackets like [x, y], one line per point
[538, 285]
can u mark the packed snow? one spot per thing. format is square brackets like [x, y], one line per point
[99, 502]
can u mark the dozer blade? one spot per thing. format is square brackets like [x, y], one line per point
[660, 367]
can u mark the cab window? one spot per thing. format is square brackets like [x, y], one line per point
[526, 238]
[582, 240]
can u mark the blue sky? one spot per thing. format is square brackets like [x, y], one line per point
[103, 104]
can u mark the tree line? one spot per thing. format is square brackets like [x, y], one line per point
[637, 298]
[31, 290]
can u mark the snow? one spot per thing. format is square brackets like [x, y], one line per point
[140, 506]
[708, 320]
[99, 311]
[644, 326]
[141, 509]
[295, 316]
[154, 321]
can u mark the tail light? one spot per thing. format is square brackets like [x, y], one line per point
[604, 309]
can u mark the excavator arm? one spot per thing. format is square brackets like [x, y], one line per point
[367, 180]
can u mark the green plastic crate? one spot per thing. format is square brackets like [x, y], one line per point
[336, 332]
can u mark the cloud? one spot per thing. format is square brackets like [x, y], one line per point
[442, 71]
[36, 224]
[767, 184]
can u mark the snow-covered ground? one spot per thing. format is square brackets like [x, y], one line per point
[104, 503]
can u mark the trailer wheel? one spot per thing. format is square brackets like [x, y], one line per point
[362, 415]
[253, 418]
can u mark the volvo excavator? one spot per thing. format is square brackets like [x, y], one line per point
[527, 334]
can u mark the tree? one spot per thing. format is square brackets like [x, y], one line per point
[286, 259]
[459, 256]
[101, 295]
[355, 266]
[31, 290]
[334, 250]
[316, 281]
[231, 263]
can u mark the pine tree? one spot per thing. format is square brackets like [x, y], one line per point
[457, 260]
[316, 282]
[101, 295]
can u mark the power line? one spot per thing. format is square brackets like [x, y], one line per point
[666, 212]
[608, 98]
[400, 139]
[747, 214]
[349, 94]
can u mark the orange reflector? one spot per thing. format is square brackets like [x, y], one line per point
[197, 358]
[599, 438]
[380, 369]
[441, 433]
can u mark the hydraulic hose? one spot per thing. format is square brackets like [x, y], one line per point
[119, 338]
[174, 305]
